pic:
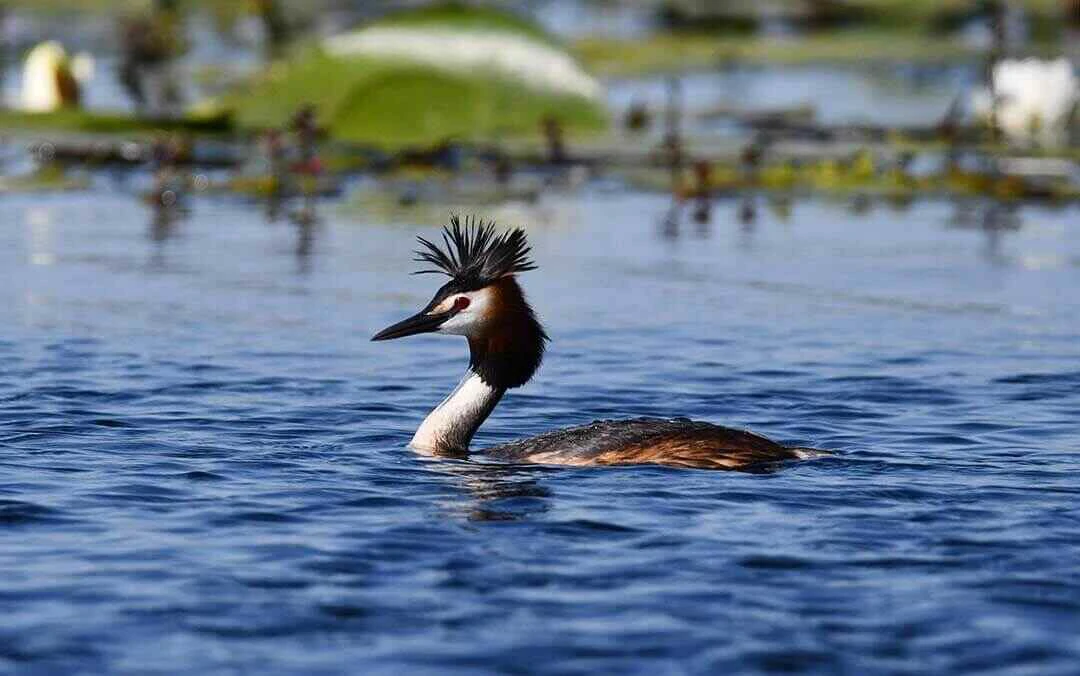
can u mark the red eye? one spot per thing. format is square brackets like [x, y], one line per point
[460, 303]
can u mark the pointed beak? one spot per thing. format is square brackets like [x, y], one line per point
[418, 323]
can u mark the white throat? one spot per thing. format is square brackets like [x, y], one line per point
[451, 426]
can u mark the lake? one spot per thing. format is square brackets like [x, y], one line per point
[203, 465]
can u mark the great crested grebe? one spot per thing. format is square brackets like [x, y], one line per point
[483, 302]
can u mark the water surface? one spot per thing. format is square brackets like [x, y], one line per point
[202, 461]
[881, 94]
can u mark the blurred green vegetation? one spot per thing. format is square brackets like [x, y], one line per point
[901, 12]
[384, 101]
[672, 51]
[856, 175]
[664, 52]
[392, 102]
[49, 177]
[915, 31]
[122, 6]
[106, 123]
[909, 13]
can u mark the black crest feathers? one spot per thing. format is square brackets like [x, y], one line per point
[474, 254]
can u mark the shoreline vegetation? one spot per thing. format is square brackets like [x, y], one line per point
[400, 91]
[388, 97]
[393, 100]
[395, 103]
[870, 169]
[688, 50]
[902, 12]
[387, 104]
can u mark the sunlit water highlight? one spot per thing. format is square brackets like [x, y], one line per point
[202, 462]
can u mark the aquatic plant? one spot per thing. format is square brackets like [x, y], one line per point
[429, 75]
[534, 64]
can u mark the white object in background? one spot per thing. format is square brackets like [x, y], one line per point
[1035, 100]
[83, 67]
[538, 65]
[48, 83]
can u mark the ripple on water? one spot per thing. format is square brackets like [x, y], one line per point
[17, 513]
[217, 481]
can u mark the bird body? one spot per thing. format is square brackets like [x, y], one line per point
[674, 442]
[484, 302]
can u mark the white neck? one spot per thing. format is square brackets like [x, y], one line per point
[451, 426]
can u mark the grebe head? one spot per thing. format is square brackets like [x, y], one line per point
[482, 301]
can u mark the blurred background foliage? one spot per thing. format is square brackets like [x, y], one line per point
[389, 99]
[602, 74]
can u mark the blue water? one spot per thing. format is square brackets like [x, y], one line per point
[881, 94]
[203, 464]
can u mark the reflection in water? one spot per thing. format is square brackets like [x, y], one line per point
[703, 216]
[41, 236]
[564, 178]
[306, 220]
[900, 203]
[702, 193]
[497, 492]
[409, 195]
[782, 207]
[274, 206]
[168, 194]
[748, 212]
[669, 222]
[993, 218]
[161, 224]
[747, 216]
[860, 205]
[165, 214]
